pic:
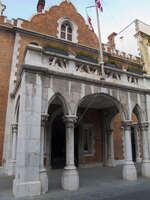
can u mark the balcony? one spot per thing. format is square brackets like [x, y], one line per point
[70, 65]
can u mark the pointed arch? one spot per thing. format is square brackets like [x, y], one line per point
[65, 106]
[140, 114]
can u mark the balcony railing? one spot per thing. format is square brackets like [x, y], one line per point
[36, 56]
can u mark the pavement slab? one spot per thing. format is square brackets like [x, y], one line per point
[102, 183]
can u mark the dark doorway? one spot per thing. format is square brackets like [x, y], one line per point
[58, 143]
[133, 145]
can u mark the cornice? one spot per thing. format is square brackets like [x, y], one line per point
[100, 83]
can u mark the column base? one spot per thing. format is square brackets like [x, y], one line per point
[138, 160]
[70, 179]
[110, 163]
[129, 172]
[1, 171]
[44, 181]
[27, 189]
[145, 168]
[11, 168]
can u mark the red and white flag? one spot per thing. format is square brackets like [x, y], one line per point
[90, 23]
[99, 5]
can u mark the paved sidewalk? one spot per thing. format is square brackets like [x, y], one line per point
[95, 184]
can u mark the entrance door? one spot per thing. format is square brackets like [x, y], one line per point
[58, 145]
[133, 145]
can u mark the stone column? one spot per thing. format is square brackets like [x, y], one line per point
[43, 171]
[129, 170]
[12, 165]
[110, 149]
[70, 176]
[136, 132]
[145, 160]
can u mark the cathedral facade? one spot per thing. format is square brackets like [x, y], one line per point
[57, 111]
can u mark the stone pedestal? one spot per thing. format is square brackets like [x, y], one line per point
[44, 180]
[129, 170]
[70, 179]
[110, 163]
[11, 167]
[145, 168]
[26, 189]
[70, 176]
[2, 172]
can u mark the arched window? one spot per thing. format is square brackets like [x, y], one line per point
[66, 31]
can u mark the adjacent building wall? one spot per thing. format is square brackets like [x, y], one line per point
[143, 37]
[6, 51]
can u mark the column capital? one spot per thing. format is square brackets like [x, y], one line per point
[144, 125]
[134, 124]
[14, 127]
[70, 120]
[126, 124]
[44, 118]
[109, 131]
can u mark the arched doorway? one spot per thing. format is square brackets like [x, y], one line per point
[58, 143]
[56, 135]
[95, 114]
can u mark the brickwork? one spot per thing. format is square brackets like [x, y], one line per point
[7, 41]
[95, 120]
[118, 137]
[47, 23]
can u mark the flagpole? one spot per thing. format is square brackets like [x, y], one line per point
[100, 45]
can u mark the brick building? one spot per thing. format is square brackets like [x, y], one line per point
[56, 112]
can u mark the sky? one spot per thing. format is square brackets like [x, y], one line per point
[116, 15]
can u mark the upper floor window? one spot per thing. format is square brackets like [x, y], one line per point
[67, 30]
